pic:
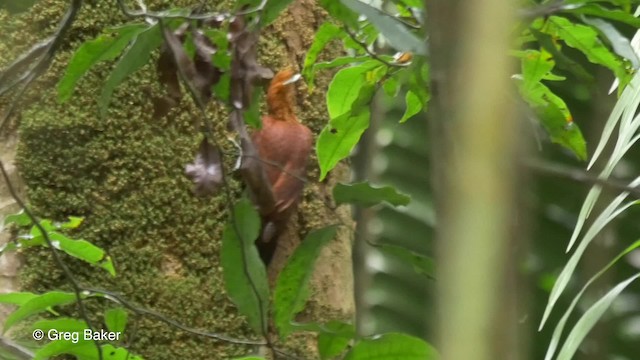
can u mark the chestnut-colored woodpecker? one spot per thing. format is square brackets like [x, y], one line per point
[284, 146]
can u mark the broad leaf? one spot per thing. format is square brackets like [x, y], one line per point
[620, 44]
[336, 141]
[393, 29]
[103, 48]
[83, 250]
[116, 319]
[135, 56]
[326, 32]
[611, 14]
[392, 346]
[272, 10]
[423, 265]
[16, 298]
[38, 304]
[334, 339]
[20, 219]
[366, 195]
[413, 106]
[245, 276]
[291, 291]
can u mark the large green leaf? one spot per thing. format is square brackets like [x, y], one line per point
[245, 276]
[334, 339]
[619, 42]
[291, 291]
[340, 12]
[392, 346]
[336, 141]
[272, 9]
[413, 106]
[38, 304]
[585, 39]
[393, 29]
[423, 265]
[326, 32]
[83, 250]
[136, 55]
[16, 298]
[611, 14]
[366, 195]
[116, 319]
[105, 47]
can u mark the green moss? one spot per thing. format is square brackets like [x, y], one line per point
[124, 174]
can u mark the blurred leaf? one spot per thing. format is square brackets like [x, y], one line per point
[16, 298]
[103, 48]
[562, 60]
[245, 276]
[391, 86]
[394, 30]
[116, 319]
[291, 290]
[611, 14]
[414, 106]
[272, 10]
[421, 264]
[17, 6]
[20, 219]
[565, 133]
[61, 324]
[557, 332]
[135, 56]
[340, 12]
[85, 350]
[73, 223]
[326, 32]
[608, 214]
[366, 195]
[38, 304]
[620, 44]
[589, 319]
[392, 346]
[335, 338]
[585, 39]
[346, 86]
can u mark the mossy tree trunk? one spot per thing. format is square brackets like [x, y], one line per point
[124, 174]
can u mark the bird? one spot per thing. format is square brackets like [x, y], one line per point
[284, 145]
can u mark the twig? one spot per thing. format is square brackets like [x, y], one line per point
[155, 315]
[371, 53]
[207, 16]
[74, 284]
[580, 175]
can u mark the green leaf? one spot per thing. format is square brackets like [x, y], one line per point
[585, 39]
[340, 12]
[116, 319]
[291, 291]
[37, 304]
[557, 332]
[73, 223]
[423, 265]
[335, 339]
[244, 273]
[17, 6]
[85, 350]
[414, 106]
[252, 115]
[82, 250]
[336, 140]
[326, 32]
[562, 60]
[65, 324]
[272, 10]
[366, 195]
[611, 14]
[20, 219]
[16, 298]
[565, 133]
[103, 48]
[589, 319]
[391, 86]
[392, 346]
[135, 56]
[620, 44]
[393, 29]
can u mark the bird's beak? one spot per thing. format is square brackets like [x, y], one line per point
[293, 79]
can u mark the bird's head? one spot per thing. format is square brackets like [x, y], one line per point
[280, 94]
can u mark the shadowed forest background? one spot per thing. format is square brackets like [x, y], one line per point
[459, 149]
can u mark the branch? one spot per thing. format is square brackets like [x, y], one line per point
[68, 274]
[371, 53]
[579, 175]
[155, 315]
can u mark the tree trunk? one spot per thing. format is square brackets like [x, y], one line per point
[124, 174]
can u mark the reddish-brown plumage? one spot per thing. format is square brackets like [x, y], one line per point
[284, 145]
